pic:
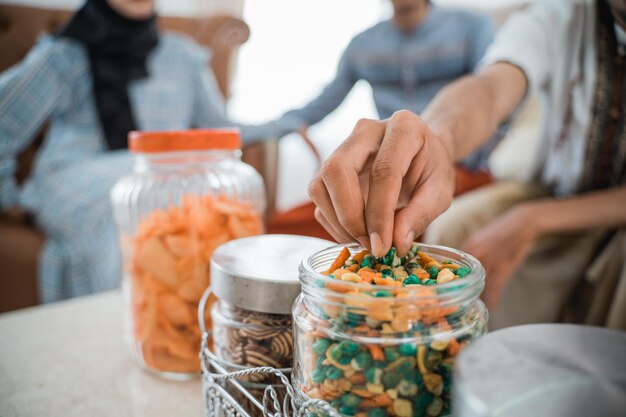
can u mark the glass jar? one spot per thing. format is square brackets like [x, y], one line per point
[255, 284]
[383, 351]
[188, 194]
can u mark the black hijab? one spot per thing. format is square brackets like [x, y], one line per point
[117, 48]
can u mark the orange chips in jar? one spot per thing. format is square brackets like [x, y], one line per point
[189, 192]
[169, 271]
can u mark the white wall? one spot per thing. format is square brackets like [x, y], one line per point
[292, 53]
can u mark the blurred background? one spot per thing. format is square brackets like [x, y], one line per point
[292, 52]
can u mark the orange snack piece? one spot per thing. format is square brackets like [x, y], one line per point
[169, 271]
[339, 261]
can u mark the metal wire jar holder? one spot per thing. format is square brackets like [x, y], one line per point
[220, 379]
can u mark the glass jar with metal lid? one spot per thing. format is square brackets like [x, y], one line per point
[188, 194]
[255, 282]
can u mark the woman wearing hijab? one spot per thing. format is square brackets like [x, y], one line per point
[109, 71]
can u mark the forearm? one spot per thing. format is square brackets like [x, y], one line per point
[595, 210]
[467, 113]
[317, 109]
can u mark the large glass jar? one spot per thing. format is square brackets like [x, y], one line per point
[189, 193]
[372, 350]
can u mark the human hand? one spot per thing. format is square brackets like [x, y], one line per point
[502, 246]
[384, 184]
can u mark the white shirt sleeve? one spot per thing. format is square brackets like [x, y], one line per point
[530, 40]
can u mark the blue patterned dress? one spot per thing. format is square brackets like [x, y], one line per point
[68, 192]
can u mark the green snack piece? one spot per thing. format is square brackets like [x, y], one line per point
[429, 282]
[382, 293]
[321, 284]
[388, 259]
[350, 400]
[320, 346]
[320, 361]
[421, 401]
[344, 360]
[386, 272]
[349, 411]
[373, 375]
[445, 370]
[335, 352]
[409, 374]
[419, 380]
[353, 319]
[336, 403]
[411, 280]
[391, 354]
[370, 374]
[391, 379]
[369, 261]
[364, 360]
[333, 373]
[462, 272]
[433, 271]
[377, 412]
[348, 347]
[319, 375]
[338, 355]
[380, 364]
[407, 349]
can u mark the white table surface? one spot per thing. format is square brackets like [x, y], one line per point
[70, 359]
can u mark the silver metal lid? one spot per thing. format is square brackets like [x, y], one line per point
[555, 370]
[260, 273]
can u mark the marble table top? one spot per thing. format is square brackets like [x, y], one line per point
[71, 359]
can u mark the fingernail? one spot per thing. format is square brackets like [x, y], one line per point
[364, 241]
[410, 237]
[377, 244]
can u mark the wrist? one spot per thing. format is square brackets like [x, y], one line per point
[447, 140]
[531, 216]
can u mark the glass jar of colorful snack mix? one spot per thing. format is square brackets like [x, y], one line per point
[189, 193]
[378, 337]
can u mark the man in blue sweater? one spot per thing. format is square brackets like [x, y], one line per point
[406, 60]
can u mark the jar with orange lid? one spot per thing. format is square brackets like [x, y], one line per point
[189, 193]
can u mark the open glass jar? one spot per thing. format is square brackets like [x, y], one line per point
[189, 193]
[376, 351]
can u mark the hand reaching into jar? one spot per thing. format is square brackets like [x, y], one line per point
[384, 184]
[390, 179]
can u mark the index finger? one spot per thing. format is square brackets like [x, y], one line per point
[341, 176]
[400, 144]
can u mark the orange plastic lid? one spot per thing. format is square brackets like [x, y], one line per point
[184, 140]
